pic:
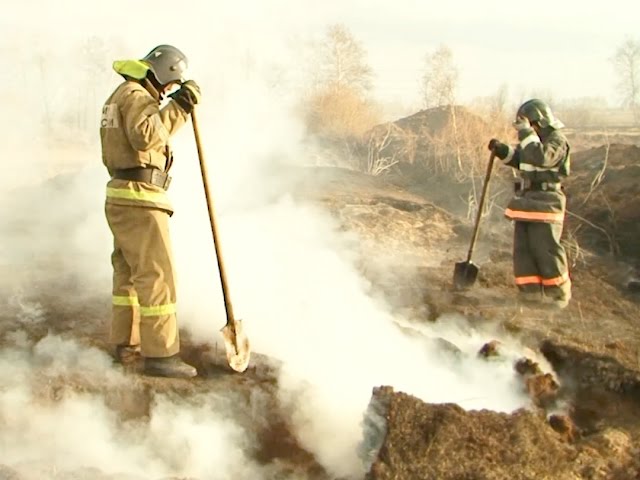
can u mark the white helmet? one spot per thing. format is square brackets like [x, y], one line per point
[167, 63]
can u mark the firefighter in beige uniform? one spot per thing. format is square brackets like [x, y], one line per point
[542, 159]
[135, 132]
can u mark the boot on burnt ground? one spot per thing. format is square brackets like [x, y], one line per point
[127, 354]
[551, 303]
[172, 367]
[558, 301]
[529, 299]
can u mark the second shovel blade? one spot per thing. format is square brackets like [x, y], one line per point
[464, 275]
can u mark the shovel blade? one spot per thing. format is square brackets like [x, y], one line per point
[464, 275]
[236, 345]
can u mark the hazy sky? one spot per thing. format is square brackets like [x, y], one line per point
[561, 47]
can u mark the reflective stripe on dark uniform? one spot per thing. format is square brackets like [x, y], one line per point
[538, 209]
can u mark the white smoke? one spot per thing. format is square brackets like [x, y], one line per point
[292, 270]
[50, 423]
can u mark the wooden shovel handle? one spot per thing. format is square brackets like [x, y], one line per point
[212, 219]
[485, 187]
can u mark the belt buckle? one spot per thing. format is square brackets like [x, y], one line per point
[160, 179]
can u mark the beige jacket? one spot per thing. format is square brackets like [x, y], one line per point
[135, 132]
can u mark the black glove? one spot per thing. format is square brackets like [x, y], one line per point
[500, 149]
[187, 96]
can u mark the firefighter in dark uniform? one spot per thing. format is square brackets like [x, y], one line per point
[538, 208]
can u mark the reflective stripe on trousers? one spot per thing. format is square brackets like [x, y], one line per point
[145, 311]
[534, 216]
[538, 280]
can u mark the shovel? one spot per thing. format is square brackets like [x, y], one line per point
[466, 273]
[235, 341]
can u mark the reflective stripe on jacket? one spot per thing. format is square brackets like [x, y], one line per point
[124, 192]
[544, 158]
[539, 159]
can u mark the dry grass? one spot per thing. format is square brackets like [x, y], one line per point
[340, 113]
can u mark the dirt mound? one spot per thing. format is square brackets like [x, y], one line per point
[440, 153]
[444, 441]
[433, 120]
[420, 137]
[604, 192]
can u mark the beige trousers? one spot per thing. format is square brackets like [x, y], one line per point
[144, 290]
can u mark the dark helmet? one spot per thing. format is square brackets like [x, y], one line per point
[167, 63]
[538, 111]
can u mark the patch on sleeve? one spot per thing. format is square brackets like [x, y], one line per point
[109, 117]
[162, 131]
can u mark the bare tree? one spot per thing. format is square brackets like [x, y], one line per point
[626, 62]
[338, 104]
[342, 62]
[439, 84]
[440, 79]
[380, 158]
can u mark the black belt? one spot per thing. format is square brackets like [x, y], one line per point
[546, 186]
[147, 175]
[523, 185]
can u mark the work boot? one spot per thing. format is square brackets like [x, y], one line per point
[127, 354]
[554, 303]
[172, 367]
[529, 299]
[559, 304]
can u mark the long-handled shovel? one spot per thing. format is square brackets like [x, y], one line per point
[466, 273]
[235, 341]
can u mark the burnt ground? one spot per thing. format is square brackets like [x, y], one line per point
[605, 199]
[448, 442]
[594, 344]
[408, 249]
